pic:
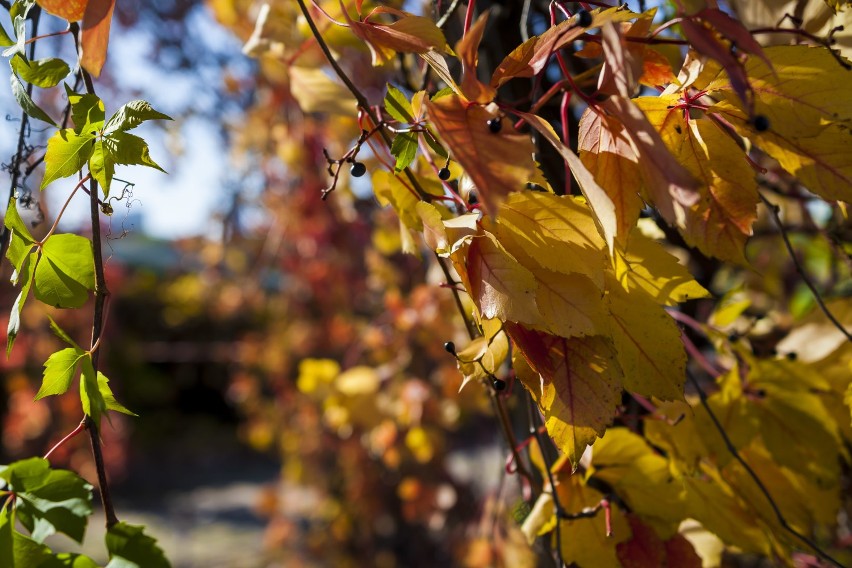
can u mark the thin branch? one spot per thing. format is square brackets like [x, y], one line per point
[101, 293]
[446, 17]
[362, 101]
[736, 455]
[64, 207]
[80, 427]
[773, 212]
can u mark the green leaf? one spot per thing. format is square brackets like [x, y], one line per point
[130, 547]
[404, 148]
[109, 398]
[87, 111]
[43, 73]
[67, 153]
[48, 500]
[65, 271]
[432, 140]
[132, 115]
[398, 106]
[59, 371]
[27, 103]
[21, 239]
[5, 40]
[93, 401]
[127, 149]
[60, 333]
[69, 560]
[26, 279]
[102, 166]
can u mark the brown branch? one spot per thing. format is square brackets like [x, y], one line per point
[736, 455]
[773, 212]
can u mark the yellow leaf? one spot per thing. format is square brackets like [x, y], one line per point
[497, 163]
[483, 356]
[541, 519]
[392, 190]
[434, 232]
[647, 266]
[648, 345]
[600, 203]
[720, 222]
[576, 383]
[409, 34]
[641, 478]
[557, 233]
[570, 304]
[317, 92]
[606, 151]
[584, 541]
[730, 307]
[500, 287]
[805, 98]
[316, 373]
[357, 381]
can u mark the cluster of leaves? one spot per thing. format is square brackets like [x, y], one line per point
[562, 284]
[61, 270]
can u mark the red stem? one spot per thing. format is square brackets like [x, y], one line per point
[80, 427]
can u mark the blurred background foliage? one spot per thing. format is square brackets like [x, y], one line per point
[295, 345]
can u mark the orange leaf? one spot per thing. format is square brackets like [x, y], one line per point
[409, 34]
[95, 37]
[468, 51]
[529, 58]
[71, 10]
[606, 151]
[669, 184]
[578, 387]
[656, 70]
[721, 222]
[497, 163]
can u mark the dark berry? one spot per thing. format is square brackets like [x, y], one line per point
[444, 173]
[791, 356]
[495, 124]
[734, 337]
[450, 347]
[498, 384]
[584, 18]
[358, 169]
[761, 123]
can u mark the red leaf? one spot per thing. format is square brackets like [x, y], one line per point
[468, 51]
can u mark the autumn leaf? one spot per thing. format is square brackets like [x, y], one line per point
[71, 10]
[803, 97]
[484, 355]
[315, 91]
[647, 342]
[576, 383]
[646, 265]
[570, 304]
[720, 223]
[585, 542]
[607, 153]
[408, 34]
[530, 58]
[669, 184]
[467, 50]
[600, 203]
[500, 287]
[498, 163]
[95, 35]
[646, 549]
[532, 225]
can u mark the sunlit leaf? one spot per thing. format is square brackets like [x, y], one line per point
[42, 72]
[26, 102]
[71, 10]
[497, 163]
[95, 35]
[131, 115]
[59, 371]
[67, 153]
[576, 383]
[65, 272]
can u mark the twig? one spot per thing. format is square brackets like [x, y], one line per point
[80, 427]
[359, 96]
[446, 17]
[736, 455]
[773, 211]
